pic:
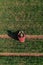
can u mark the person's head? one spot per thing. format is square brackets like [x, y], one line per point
[21, 34]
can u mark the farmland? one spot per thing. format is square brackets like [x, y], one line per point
[26, 15]
[11, 45]
[21, 60]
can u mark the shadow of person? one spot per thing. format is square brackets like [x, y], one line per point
[13, 35]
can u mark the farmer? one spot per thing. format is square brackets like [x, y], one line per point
[21, 36]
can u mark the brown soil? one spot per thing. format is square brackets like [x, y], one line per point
[4, 36]
[34, 36]
[21, 54]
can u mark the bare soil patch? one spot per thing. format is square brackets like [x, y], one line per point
[21, 54]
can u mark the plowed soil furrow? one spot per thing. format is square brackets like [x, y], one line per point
[21, 54]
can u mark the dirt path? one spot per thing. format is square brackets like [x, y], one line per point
[4, 36]
[34, 36]
[27, 36]
[21, 54]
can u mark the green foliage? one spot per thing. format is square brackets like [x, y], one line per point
[10, 45]
[21, 14]
[21, 60]
[24, 15]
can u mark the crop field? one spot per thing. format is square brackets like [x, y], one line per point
[10, 45]
[21, 60]
[26, 15]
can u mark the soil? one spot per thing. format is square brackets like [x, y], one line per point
[21, 54]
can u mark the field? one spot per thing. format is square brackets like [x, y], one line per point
[10, 45]
[21, 60]
[24, 15]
